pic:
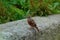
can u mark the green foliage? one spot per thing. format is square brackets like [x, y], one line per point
[45, 7]
[11, 10]
[8, 12]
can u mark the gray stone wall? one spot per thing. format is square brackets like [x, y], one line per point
[20, 30]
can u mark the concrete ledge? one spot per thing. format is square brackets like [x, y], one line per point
[19, 30]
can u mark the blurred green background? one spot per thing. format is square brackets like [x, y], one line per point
[11, 10]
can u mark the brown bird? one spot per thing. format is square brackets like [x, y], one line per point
[32, 23]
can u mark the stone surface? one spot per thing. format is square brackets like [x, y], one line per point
[19, 30]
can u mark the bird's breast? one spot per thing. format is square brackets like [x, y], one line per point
[31, 23]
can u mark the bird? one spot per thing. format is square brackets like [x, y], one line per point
[32, 23]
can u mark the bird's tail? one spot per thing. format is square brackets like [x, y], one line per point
[37, 29]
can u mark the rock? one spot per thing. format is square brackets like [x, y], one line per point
[19, 30]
